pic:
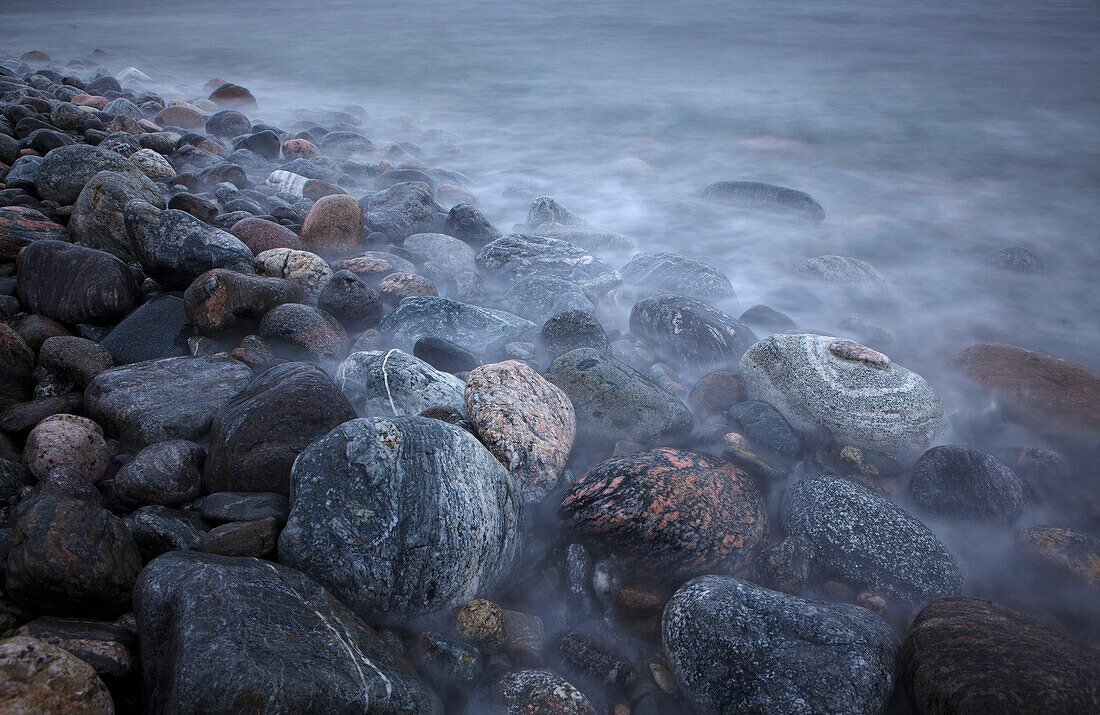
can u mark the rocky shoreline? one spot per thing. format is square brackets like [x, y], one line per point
[288, 425]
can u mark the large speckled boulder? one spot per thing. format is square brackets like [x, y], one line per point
[402, 517]
[668, 514]
[736, 647]
[689, 332]
[515, 256]
[968, 483]
[241, 635]
[482, 330]
[968, 655]
[672, 273]
[614, 402]
[868, 541]
[97, 217]
[41, 678]
[333, 225]
[525, 420]
[859, 395]
[393, 383]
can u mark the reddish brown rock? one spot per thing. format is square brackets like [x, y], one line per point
[1036, 388]
[37, 329]
[66, 444]
[668, 514]
[262, 235]
[716, 392]
[1063, 551]
[396, 287]
[525, 420]
[90, 100]
[968, 655]
[221, 299]
[182, 117]
[41, 678]
[333, 226]
[20, 226]
[232, 95]
[300, 149]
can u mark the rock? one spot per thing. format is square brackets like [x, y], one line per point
[869, 542]
[108, 647]
[153, 165]
[587, 238]
[1015, 259]
[469, 225]
[373, 266]
[175, 248]
[224, 507]
[402, 210]
[22, 417]
[351, 301]
[481, 622]
[165, 473]
[668, 514]
[65, 170]
[73, 284]
[546, 209]
[227, 123]
[272, 641]
[768, 320]
[396, 287]
[74, 359]
[70, 556]
[972, 655]
[672, 273]
[172, 398]
[1063, 552]
[16, 366]
[715, 393]
[737, 647]
[262, 235]
[968, 483]
[448, 523]
[1040, 390]
[257, 434]
[845, 271]
[264, 145]
[221, 299]
[43, 678]
[158, 329]
[448, 663]
[763, 424]
[158, 530]
[856, 393]
[517, 256]
[481, 330]
[572, 330]
[20, 226]
[200, 207]
[232, 95]
[36, 329]
[525, 421]
[756, 195]
[451, 254]
[24, 174]
[97, 218]
[539, 298]
[592, 660]
[394, 383]
[445, 355]
[306, 270]
[299, 149]
[615, 402]
[66, 444]
[532, 691]
[182, 117]
[242, 538]
[690, 332]
[333, 226]
[302, 332]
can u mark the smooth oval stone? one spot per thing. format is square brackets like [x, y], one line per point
[526, 421]
[351, 301]
[20, 226]
[861, 403]
[869, 542]
[971, 655]
[175, 248]
[16, 367]
[396, 287]
[394, 383]
[24, 173]
[262, 235]
[845, 271]
[153, 165]
[200, 207]
[256, 436]
[763, 424]
[767, 319]
[672, 273]
[1044, 392]
[427, 518]
[668, 514]
[571, 330]
[271, 640]
[172, 398]
[232, 95]
[65, 170]
[97, 218]
[516, 256]
[224, 507]
[535, 691]
[182, 117]
[66, 444]
[227, 123]
[736, 647]
[302, 332]
[222, 299]
[481, 330]
[306, 270]
[968, 483]
[690, 332]
[469, 225]
[158, 530]
[452, 254]
[445, 355]
[614, 402]
[768, 197]
[402, 210]
[73, 284]
[333, 226]
[715, 393]
[299, 149]
[166, 473]
[43, 678]
[158, 329]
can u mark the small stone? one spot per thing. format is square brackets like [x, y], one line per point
[395, 383]
[66, 444]
[715, 393]
[158, 530]
[261, 235]
[166, 473]
[221, 299]
[763, 424]
[306, 270]
[16, 366]
[585, 655]
[77, 360]
[351, 301]
[481, 622]
[968, 483]
[571, 330]
[242, 538]
[232, 95]
[224, 507]
[766, 197]
[396, 287]
[152, 164]
[534, 691]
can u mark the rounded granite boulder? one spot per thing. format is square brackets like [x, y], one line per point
[402, 517]
[858, 394]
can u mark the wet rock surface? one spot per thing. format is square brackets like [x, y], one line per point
[966, 482]
[690, 332]
[468, 326]
[73, 284]
[394, 383]
[41, 677]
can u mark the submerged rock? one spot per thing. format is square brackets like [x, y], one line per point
[472, 327]
[966, 482]
[757, 195]
[690, 332]
[516, 256]
[672, 273]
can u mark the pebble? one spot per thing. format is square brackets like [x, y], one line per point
[481, 622]
[765, 426]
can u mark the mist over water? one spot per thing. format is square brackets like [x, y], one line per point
[934, 134]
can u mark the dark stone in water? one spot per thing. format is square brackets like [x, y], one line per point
[585, 655]
[668, 514]
[571, 330]
[350, 300]
[466, 223]
[756, 195]
[736, 647]
[768, 320]
[158, 329]
[402, 210]
[763, 424]
[265, 143]
[224, 507]
[109, 648]
[302, 332]
[256, 436]
[517, 256]
[16, 366]
[73, 284]
[968, 483]
[272, 640]
[690, 332]
[200, 207]
[165, 473]
[673, 273]
[221, 299]
[539, 298]
[970, 655]
[474, 328]
[445, 355]
[228, 123]
[261, 235]
[158, 530]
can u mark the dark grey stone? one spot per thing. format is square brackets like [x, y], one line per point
[968, 483]
[97, 217]
[763, 424]
[158, 329]
[482, 330]
[689, 332]
[756, 195]
[571, 330]
[166, 473]
[539, 298]
[225, 507]
[517, 256]
[466, 223]
[64, 171]
[402, 210]
[158, 530]
[672, 273]
[445, 355]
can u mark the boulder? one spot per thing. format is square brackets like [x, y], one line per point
[518, 256]
[158, 329]
[672, 273]
[302, 332]
[333, 226]
[165, 473]
[968, 483]
[846, 272]
[73, 284]
[306, 270]
[74, 359]
[43, 678]
[481, 330]
[572, 330]
[402, 210]
[66, 170]
[768, 197]
[221, 299]
[394, 383]
[66, 444]
[261, 235]
[689, 332]
[351, 301]
[539, 298]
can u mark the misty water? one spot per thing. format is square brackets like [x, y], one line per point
[934, 134]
